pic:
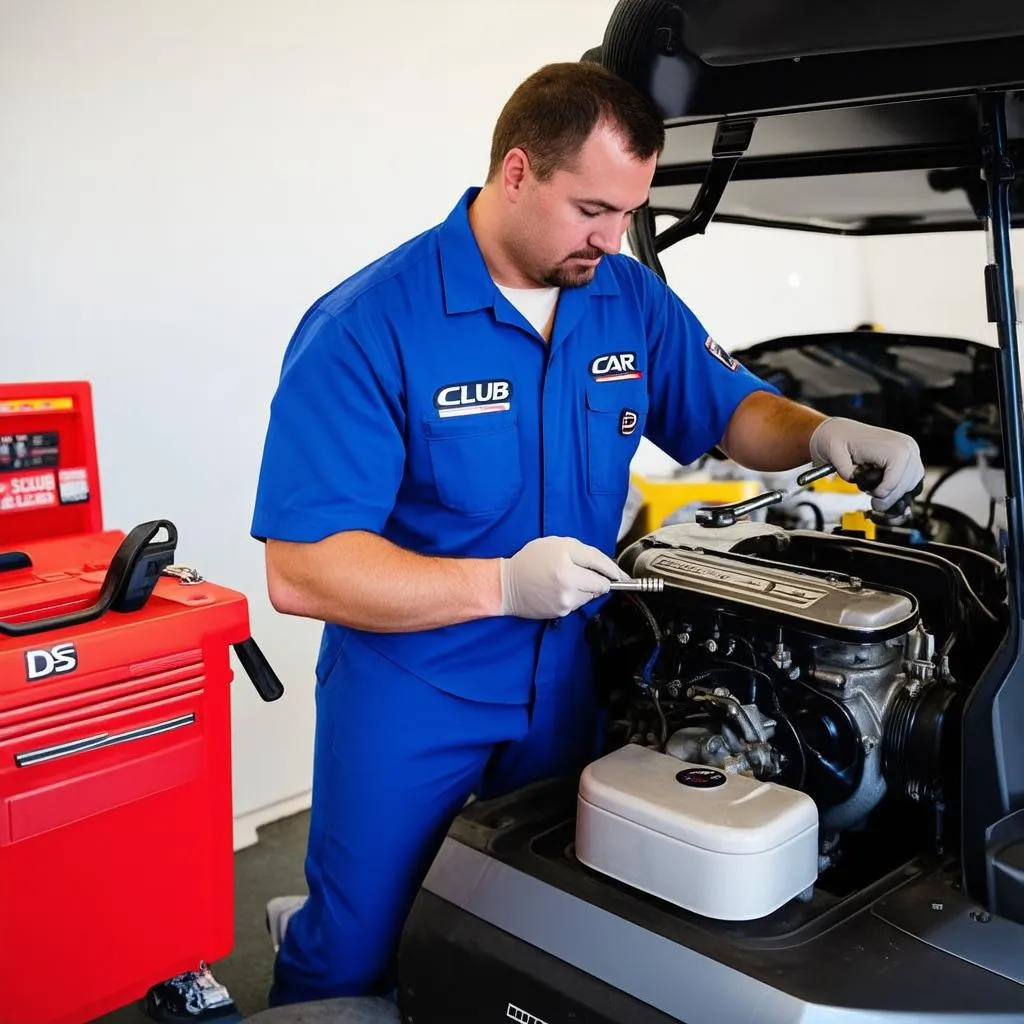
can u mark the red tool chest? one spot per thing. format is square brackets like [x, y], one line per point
[116, 852]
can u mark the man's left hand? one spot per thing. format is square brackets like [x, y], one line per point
[849, 445]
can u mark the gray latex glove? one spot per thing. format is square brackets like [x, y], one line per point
[847, 444]
[553, 576]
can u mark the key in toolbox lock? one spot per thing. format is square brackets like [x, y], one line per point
[116, 845]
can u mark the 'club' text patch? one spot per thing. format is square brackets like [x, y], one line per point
[473, 398]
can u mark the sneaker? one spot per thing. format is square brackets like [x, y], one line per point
[193, 997]
[279, 912]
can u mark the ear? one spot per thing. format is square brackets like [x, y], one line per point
[515, 170]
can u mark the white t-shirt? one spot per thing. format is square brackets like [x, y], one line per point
[536, 304]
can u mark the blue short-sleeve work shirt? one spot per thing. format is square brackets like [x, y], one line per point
[417, 403]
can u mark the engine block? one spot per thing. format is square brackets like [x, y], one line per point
[775, 671]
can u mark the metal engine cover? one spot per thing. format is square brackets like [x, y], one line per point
[825, 604]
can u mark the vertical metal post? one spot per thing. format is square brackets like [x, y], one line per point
[993, 755]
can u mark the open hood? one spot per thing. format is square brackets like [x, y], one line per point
[867, 118]
[880, 168]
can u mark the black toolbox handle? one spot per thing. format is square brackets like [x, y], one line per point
[259, 670]
[10, 561]
[131, 577]
[133, 573]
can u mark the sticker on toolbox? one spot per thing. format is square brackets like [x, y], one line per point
[13, 406]
[74, 485]
[29, 491]
[28, 451]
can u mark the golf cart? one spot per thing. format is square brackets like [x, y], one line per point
[810, 805]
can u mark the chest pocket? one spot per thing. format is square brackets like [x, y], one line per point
[616, 417]
[476, 462]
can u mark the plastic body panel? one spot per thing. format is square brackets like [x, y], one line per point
[508, 915]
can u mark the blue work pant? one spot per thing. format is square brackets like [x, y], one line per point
[395, 760]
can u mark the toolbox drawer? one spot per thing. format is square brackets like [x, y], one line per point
[116, 852]
[63, 774]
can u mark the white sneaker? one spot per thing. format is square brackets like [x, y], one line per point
[279, 912]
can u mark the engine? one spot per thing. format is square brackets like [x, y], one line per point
[766, 659]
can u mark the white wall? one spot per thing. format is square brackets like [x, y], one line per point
[751, 284]
[181, 179]
[934, 284]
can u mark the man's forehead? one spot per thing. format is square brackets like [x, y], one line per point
[609, 175]
[615, 192]
[602, 202]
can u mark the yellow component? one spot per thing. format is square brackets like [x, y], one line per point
[18, 405]
[835, 484]
[858, 522]
[663, 497]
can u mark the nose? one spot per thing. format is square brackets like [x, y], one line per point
[608, 236]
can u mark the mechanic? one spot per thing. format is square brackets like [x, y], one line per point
[443, 479]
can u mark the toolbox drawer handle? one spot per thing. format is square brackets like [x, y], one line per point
[98, 742]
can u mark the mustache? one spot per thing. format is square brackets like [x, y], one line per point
[586, 254]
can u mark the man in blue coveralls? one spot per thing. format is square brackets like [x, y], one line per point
[442, 484]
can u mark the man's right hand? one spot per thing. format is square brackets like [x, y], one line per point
[553, 576]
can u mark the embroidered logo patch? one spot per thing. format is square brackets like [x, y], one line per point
[720, 354]
[627, 422]
[615, 366]
[473, 398]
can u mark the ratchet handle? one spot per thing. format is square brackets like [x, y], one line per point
[868, 477]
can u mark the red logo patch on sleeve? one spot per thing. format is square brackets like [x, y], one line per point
[720, 354]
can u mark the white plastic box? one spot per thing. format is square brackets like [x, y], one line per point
[721, 845]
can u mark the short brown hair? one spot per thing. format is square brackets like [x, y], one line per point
[553, 112]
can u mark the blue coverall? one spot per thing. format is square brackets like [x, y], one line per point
[417, 403]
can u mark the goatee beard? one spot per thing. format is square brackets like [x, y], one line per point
[562, 277]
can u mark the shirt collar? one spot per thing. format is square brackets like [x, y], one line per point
[468, 285]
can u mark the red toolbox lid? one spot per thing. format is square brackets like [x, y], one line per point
[179, 624]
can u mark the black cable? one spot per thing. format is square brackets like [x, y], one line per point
[648, 670]
[724, 665]
[979, 604]
[819, 517]
[647, 614]
[664, 720]
[750, 647]
[943, 477]
[948, 645]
